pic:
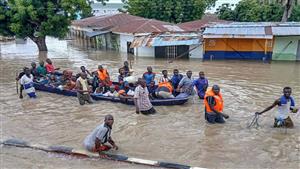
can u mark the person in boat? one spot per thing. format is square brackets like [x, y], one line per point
[121, 77]
[126, 91]
[84, 70]
[185, 86]
[27, 82]
[165, 88]
[50, 67]
[18, 81]
[214, 104]
[176, 78]
[70, 85]
[112, 92]
[97, 139]
[95, 81]
[41, 69]
[141, 98]
[149, 75]
[104, 77]
[53, 81]
[83, 89]
[34, 72]
[66, 76]
[152, 90]
[285, 104]
[201, 85]
[126, 68]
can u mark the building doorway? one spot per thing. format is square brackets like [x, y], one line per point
[129, 49]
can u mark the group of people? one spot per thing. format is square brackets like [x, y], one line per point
[178, 86]
[213, 101]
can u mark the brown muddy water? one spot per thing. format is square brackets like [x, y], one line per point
[175, 134]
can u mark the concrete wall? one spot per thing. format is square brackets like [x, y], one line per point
[123, 42]
[197, 52]
[144, 52]
[285, 48]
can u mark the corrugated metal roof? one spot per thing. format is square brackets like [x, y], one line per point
[206, 20]
[148, 26]
[286, 30]
[173, 39]
[92, 34]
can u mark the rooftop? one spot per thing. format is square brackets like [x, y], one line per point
[206, 20]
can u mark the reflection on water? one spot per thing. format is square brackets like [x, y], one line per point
[177, 133]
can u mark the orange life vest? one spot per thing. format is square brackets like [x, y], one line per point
[218, 99]
[102, 75]
[167, 85]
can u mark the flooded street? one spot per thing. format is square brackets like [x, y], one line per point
[175, 134]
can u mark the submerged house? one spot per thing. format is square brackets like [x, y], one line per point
[238, 41]
[286, 41]
[139, 36]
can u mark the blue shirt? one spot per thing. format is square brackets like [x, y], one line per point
[176, 79]
[200, 84]
[148, 77]
[152, 89]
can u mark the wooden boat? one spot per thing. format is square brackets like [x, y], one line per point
[156, 102]
[83, 153]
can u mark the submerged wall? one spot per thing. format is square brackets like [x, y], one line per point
[286, 48]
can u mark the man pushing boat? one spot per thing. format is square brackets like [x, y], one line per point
[95, 141]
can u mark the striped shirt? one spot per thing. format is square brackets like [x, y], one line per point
[142, 96]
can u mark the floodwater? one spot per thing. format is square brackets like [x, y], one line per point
[175, 134]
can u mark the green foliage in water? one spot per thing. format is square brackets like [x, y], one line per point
[174, 11]
[256, 11]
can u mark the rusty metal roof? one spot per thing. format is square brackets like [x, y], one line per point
[106, 22]
[148, 26]
[206, 20]
[166, 39]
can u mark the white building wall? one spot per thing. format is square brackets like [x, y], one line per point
[196, 53]
[145, 52]
[123, 42]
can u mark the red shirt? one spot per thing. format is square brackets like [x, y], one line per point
[50, 68]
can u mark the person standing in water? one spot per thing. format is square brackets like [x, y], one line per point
[201, 85]
[83, 90]
[95, 141]
[27, 82]
[214, 104]
[141, 99]
[285, 104]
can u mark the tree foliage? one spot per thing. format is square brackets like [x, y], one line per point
[37, 19]
[169, 10]
[256, 11]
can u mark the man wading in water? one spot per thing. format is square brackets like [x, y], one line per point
[83, 89]
[141, 98]
[285, 104]
[95, 141]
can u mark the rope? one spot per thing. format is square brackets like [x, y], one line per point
[254, 122]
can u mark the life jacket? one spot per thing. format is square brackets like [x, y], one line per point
[218, 99]
[102, 75]
[167, 85]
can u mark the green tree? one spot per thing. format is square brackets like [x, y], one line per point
[251, 11]
[260, 11]
[169, 10]
[295, 16]
[225, 12]
[37, 19]
[4, 19]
